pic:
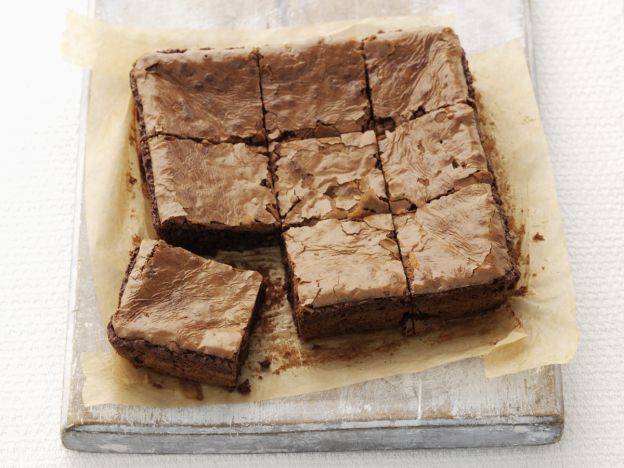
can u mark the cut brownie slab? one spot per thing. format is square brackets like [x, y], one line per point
[204, 94]
[345, 276]
[314, 90]
[334, 177]
[186, 316]
[456, 254]
[205, 197]
[413, 73]
[431, 156]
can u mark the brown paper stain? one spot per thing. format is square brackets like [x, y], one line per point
[118, 214]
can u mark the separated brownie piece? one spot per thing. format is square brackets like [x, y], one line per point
[431, 156]
[456, 254]
[203, 94]
[186, 316]
[345, 276]
[205, 197]
[314, 90]
[413, 73]
[335, 177]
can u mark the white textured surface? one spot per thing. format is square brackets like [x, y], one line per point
[579, 48]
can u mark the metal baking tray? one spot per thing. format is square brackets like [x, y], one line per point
[450, 406]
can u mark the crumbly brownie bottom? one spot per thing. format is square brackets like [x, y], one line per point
[206, 241]
[351, 317]
[467, 300]
[179, 363]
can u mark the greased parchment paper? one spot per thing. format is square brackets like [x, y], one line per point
[540, 330]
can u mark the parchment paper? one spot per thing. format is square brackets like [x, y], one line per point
[118, 217]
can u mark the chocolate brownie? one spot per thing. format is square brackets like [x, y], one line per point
[455, 252]
[206, 196]
[432, 155]
[186, 316]
[411, 73]
[345, 276]
[314, 90]
[209, 95]
[334, 177]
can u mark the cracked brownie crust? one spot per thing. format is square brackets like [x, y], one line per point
[207, 196]
[431, 156]
[335, 177]
[414, 73]
[211, 95]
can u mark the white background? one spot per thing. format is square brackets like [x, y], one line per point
[579, 51]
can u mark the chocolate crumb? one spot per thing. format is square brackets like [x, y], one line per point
[265, 364]
[538, 237]
[244, 388]
[131, 180]
[316, 346]
[521, 291]
[157, 385]
[136, 240]
[259, 377]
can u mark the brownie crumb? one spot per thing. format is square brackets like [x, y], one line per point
[131, 180]
[538, 237]
[265, 364]
[244, 388]
[521, 291]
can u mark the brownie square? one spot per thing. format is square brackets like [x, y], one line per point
[456, 255]
[316, 90]
[186, 316]
[414, 73]
[333, 177]
[345, 276]
[207, 197]
[204, 94]
[432, 155]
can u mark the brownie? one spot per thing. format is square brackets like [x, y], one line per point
[455, 252]
[205, 94]
[186, 316]
[210, 196]
[345, 276]
[411, 73]
[314, 90]
[432, 155]
[333, 177]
